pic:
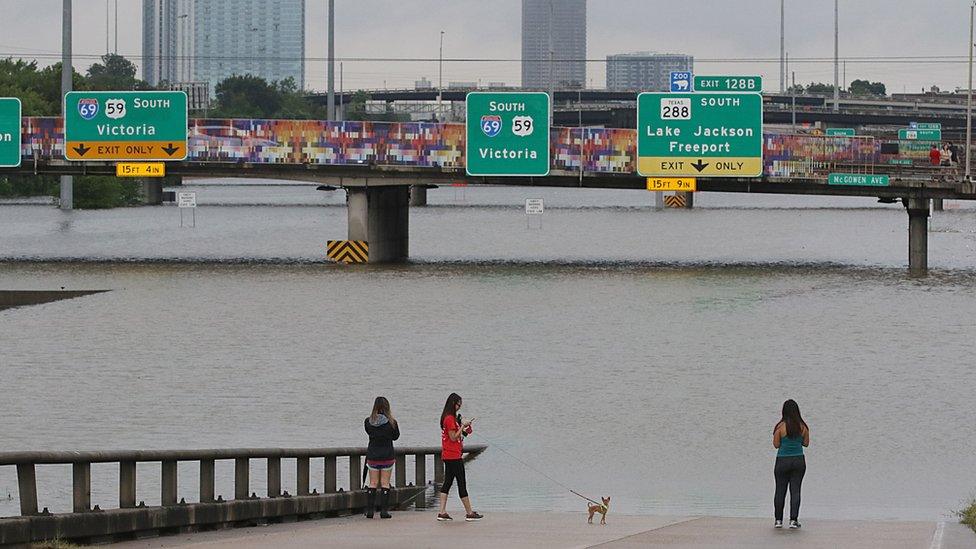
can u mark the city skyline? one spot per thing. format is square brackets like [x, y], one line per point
[724, 39]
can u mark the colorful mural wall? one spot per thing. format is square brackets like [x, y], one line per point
[424, 144]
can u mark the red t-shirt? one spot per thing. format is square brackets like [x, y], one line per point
[451, 449]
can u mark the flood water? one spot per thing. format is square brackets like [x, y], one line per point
[623, 351]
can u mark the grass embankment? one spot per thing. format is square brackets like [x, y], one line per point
[968, 515]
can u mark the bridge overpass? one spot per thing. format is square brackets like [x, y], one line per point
[616, 108]
[378, 163]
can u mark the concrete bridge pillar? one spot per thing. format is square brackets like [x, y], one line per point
[418, 195]
[689, 200]
[381, 216]
[918, 235]
[938, 205]
[658, 201]
[152, 191]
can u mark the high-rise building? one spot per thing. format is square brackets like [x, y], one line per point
[567, 21]
[208, 41]
[645, 71]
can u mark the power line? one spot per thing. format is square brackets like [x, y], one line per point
[942, 59]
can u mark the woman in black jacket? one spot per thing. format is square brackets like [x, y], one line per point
[382, 429]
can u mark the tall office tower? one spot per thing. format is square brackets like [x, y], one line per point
[208, 40]
[645, 71]
[567, 20]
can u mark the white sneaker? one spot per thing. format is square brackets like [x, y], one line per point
[794, 525]
[778, 524]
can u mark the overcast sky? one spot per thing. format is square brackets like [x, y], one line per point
[707, 29]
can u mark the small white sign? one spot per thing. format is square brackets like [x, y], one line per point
[186, 199]
[534, 206]
[522, 126]
[676, 109]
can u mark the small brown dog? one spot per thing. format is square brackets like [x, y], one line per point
[603, 509]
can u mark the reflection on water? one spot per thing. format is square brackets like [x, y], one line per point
[624, 351]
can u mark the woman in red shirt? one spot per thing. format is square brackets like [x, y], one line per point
[453, 431]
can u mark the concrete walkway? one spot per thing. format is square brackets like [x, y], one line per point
[530, 530]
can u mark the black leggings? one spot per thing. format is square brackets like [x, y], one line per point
[454, 469]
[789, 474]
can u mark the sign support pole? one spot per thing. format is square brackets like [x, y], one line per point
[331, 95]
[67, 71]
[969, 97]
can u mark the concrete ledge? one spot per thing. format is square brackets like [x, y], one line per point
[129, 523]
[22, 298]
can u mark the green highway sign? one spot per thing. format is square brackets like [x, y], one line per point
[699, 134]
[841, 132]
[901, 161]
[10, 133]
[925, 126]
[919, 135]
[125, 125]
[858, 179]
[507, 134]
[728, 84]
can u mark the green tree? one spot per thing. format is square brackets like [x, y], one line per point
[247, 97]
[865, 87]
[820, 88]
[38, 90]
[294, 104]
[114, 73]
[101, 192]
[356, 108]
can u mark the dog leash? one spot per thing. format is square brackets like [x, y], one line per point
[495, 446]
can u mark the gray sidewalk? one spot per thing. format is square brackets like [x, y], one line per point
[530, 530]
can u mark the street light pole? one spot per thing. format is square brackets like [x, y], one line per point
[440, 78]
[836, 55]
[969, 96]
[67, 71]
[552, 63]
[793, 96]
[782, 46]
[330, 100]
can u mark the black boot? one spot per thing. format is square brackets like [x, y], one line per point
[370, 502]
[385, 503]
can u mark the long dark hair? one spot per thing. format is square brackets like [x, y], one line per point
[792, 419]
[450, 408]
[382, 406]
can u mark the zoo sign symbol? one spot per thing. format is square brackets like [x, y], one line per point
[681, 81]
[88, 108]
[522, 126]
[491, 124]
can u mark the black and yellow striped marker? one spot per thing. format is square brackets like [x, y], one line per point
[349, 251]
[675, 201]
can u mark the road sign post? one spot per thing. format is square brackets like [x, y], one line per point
[919, 134]
[728, 84]
[10, 132]
[664, 184]
[682, 82]
[699, 135]
[125, 125]
[186, 199]
[534, 206]
[859, 179]
[507, 134]
[140, 169]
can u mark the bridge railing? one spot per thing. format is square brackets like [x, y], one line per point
[86, 521]
[442, 146]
